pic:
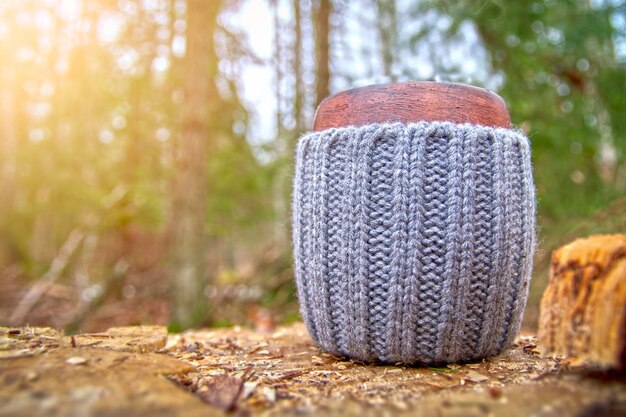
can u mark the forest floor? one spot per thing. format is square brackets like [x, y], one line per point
[130, 371]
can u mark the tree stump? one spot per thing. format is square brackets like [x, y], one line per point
[583, 310]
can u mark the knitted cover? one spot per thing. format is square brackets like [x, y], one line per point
[413, 243]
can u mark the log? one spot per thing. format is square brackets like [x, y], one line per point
[583, 309]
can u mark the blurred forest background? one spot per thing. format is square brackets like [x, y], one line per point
[146, 145]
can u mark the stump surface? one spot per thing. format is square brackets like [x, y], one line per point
[212, 372]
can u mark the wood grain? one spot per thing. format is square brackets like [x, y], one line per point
[412, 101]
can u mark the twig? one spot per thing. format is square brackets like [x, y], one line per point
[119, 271]
[58, 265]
[71, 244]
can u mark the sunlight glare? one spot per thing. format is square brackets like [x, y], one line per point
[70, 9]
[109, 28]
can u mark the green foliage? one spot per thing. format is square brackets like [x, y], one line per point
[563, 83]
[563, 79]
[91, 122]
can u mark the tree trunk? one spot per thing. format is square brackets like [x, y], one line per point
[278, 72]
[189, 240]
[386, 23]
[297, 68]
[321, 23]
[8, 156]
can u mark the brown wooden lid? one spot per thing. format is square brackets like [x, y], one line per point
[412, 101]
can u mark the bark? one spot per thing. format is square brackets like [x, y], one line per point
[321, 25]
[200, 108]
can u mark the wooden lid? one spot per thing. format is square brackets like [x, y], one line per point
[412, 101]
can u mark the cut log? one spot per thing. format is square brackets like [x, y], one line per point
[583, 309]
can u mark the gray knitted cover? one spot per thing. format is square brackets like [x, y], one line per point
[413, 243]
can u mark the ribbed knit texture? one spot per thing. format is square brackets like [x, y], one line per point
[413, 243]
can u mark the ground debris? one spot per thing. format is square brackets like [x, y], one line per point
[221, 391]
[125, 339]
[304, 379]
[28, 341]
[44, 373]
[476, 377]
[243, 372]
[76, 360]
